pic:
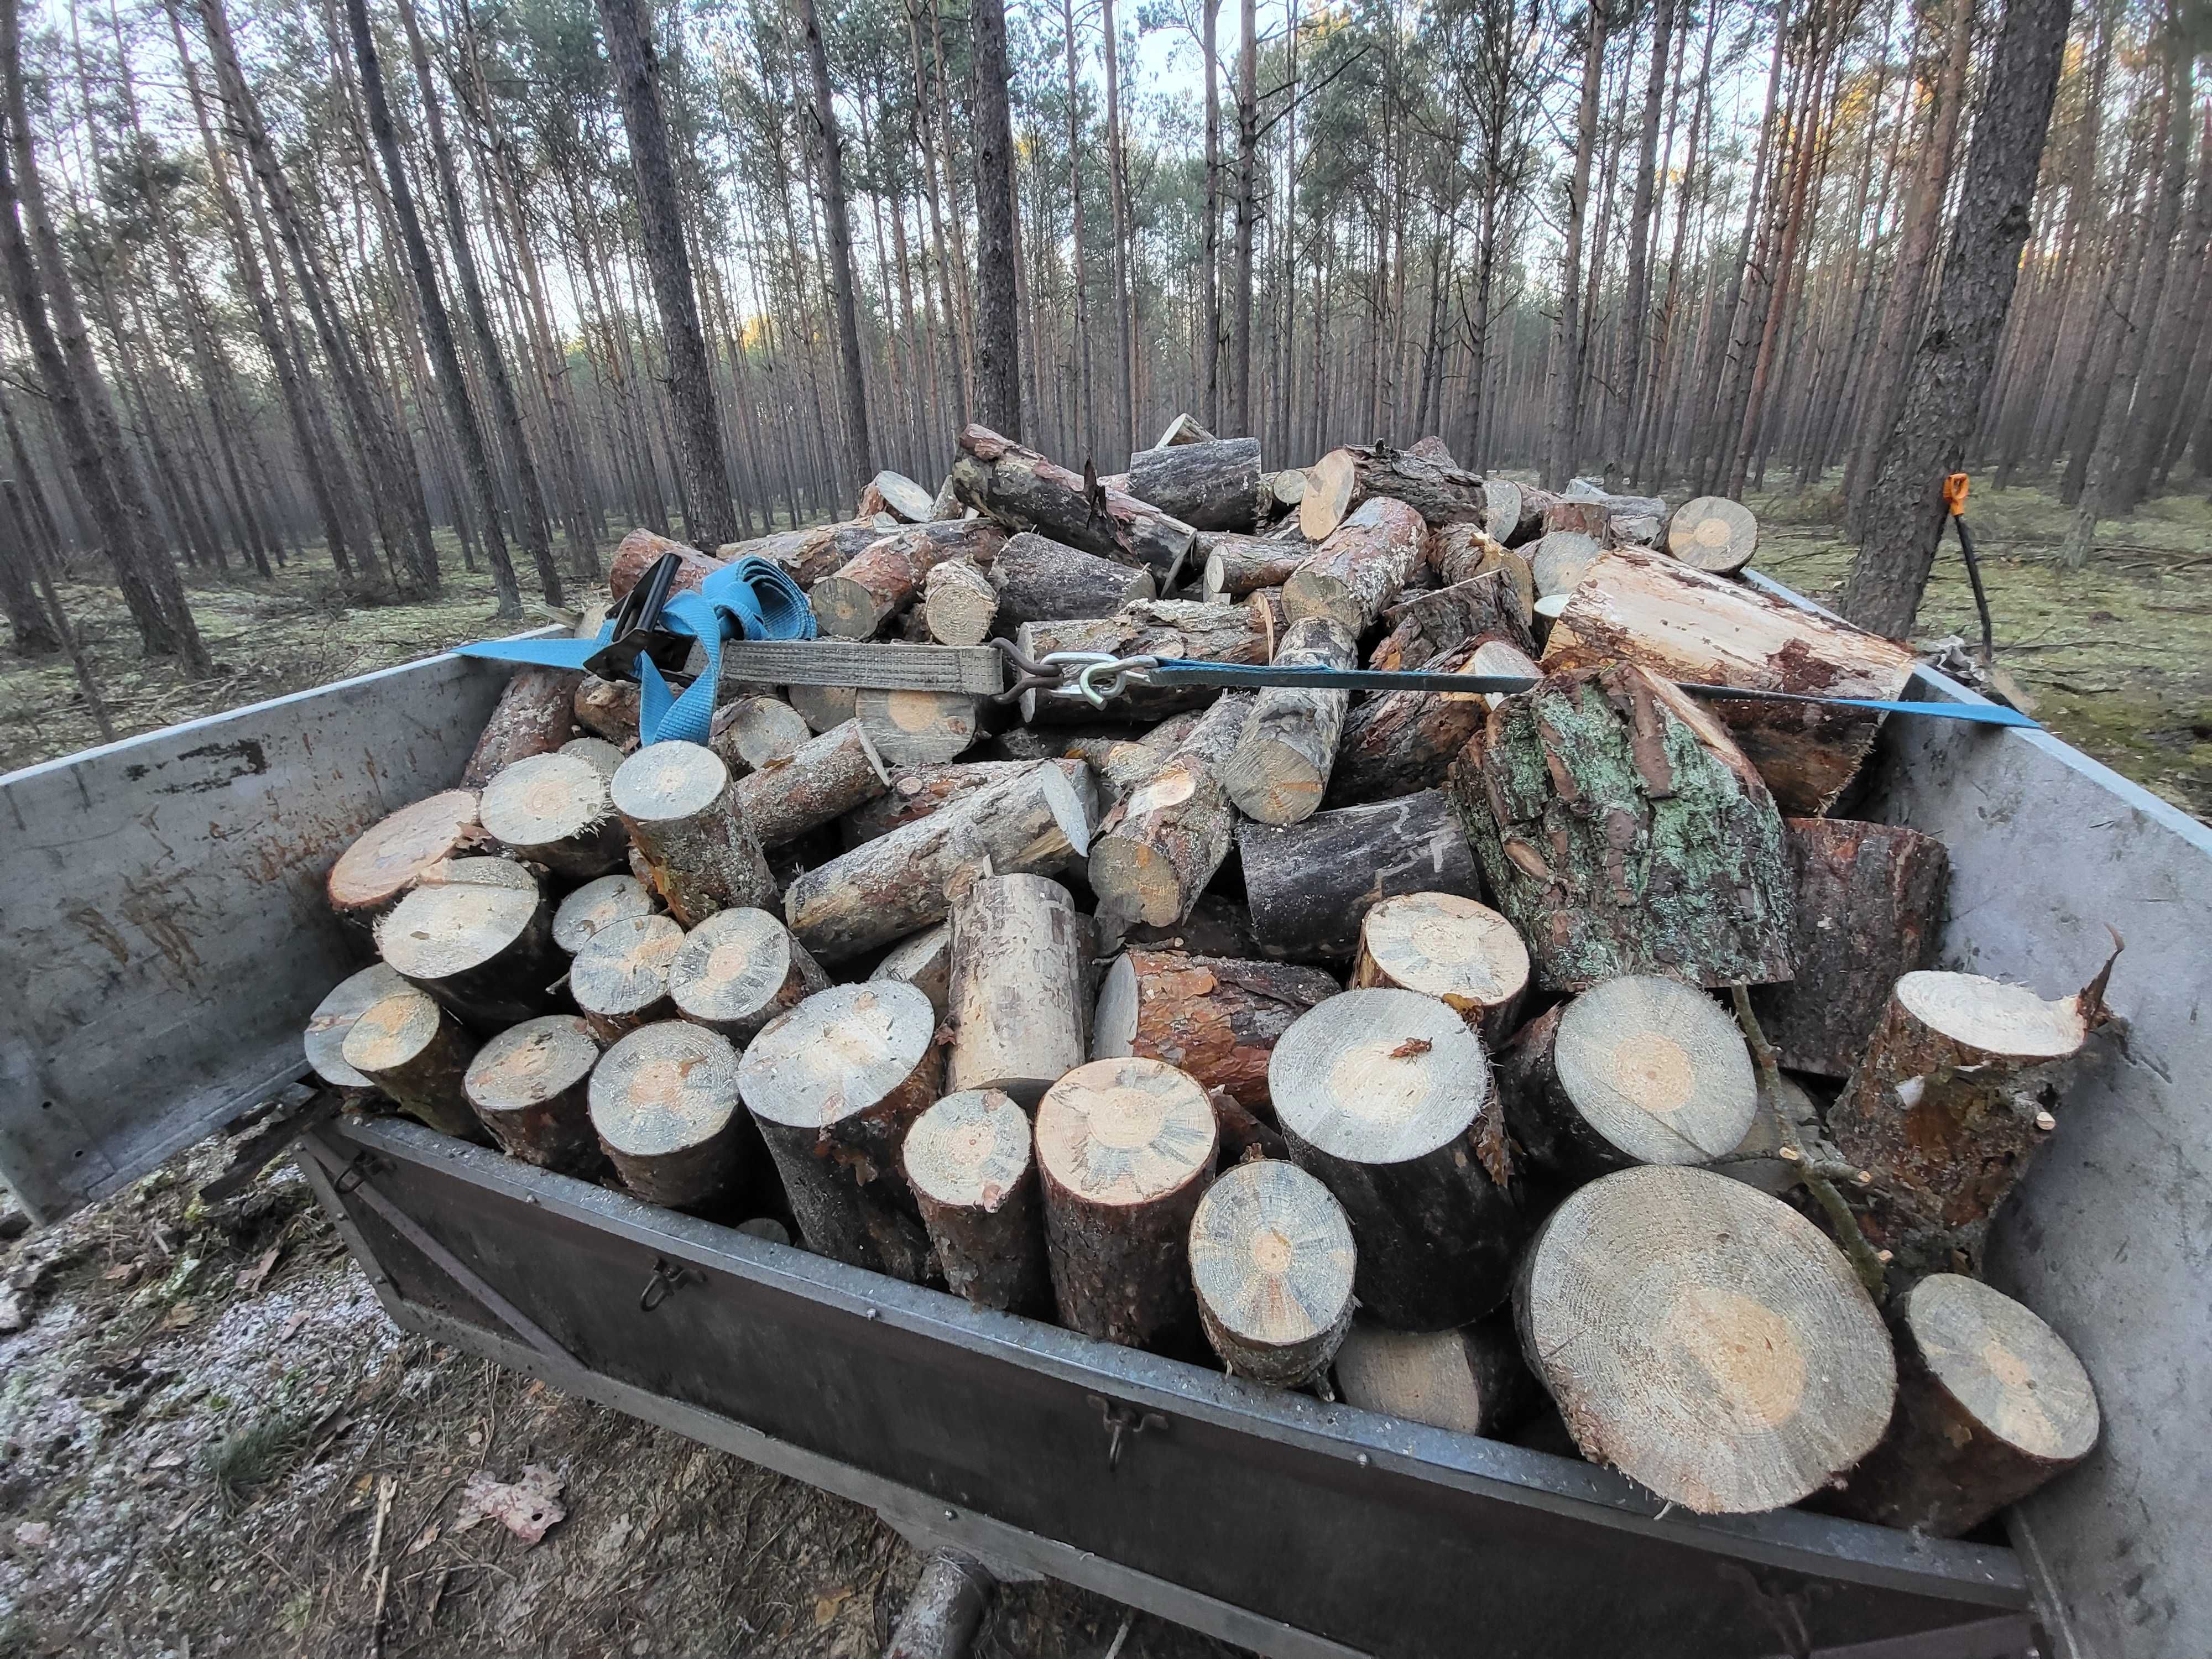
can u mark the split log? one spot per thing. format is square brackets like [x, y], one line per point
[900, 496]
[1157, 850]
[487, 953]
[596, 903]
[416, 1053]
[1213, 485]
[834, 1084]
[967, 1160]
[1951, 1101]
[1264, 605]
[1397, 742]
[1449, 947]
[1713, 534]
[1215, 1019]
[664, 1104]
[1344, 479]
[608, 708]
[1621, 832]
[916, 792]
[1638, 1070]
[1869, 908]
[751, 732]
[386, 859]
[1038, 579]
[554, 810]
[1280, 767]
[1471, 1381]
[1033, 823]
[823, 707]
[738, 969]
[1513, 513]
[1991, 1404]
[1645, 608]
[958, 603]
[1183, 429]
[620, 978]
[1590, 518]
[605, 758]
[1704, 1340]
[533, 718]
[681, 806]
[1630, 521]
[917, 728]
[1357, 573]
[1125, 1150]
[333, 1019]
[1386, 1097]
[1426, 625]
[863, 597]
[1311, 884]
[1014, 993]
[1560, 561]
[1238, 565]
[1271, 1264]
[531, 1086]
[1023, 490]
[925, 962]
[819, 781]
[1150, 628]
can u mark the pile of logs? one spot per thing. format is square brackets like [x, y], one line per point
[1554, 1064]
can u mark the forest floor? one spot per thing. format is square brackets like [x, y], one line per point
[212, 1441]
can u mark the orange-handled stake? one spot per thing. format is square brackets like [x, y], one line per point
[1955, 495]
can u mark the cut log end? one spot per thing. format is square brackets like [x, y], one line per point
[1471, 1379]
[333, 1020]
[530, 1087]
[756, 731]
[1561, 560]
[917, 728]
[385, 860]
[1124, 1132]
[1656, 1068]
[1443, 945]
[737, 970]
[440, 932]
[620, 978]
[596, 903]
[1272, 1262]
[1330, 482]
[666, 782]
[1379, 1077]
[959, 604]
[923, 961]
[415, 1052]
[1713, 533]
[1994, 1017]
[971, 1150]
[663, 1104]
[838, 1054]
[553, 809]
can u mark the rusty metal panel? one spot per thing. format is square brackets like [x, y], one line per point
[163, 936]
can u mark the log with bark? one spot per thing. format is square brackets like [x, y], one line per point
[1032, 823]
[1214, 485]
[665, 1106]
[958, 604]
[805, 556]
[1561, 559]
[751, 732]
[1124, 1150]
[738, 969]
[1271, 1264]
[1449, 947]
[864, 596]
[681, 806]
[917, 728]
[1471, 1379]
[417, 1054]
[1014, 991]
[323, 1041]
[1513, 513]
[1216, 927]
[924, 960]
[1310, 885]
[1344, 479]
[1039, 579]
[608, 708]
[531, 1087]
[554, 810]
[1023, 490]
[1590, 518]
[1237, 565]
[1703, 1338]
[1991, 1404]
[819, 782]
[1621, 831]
[916, 792]
[1281, 492]
[823, 707]
[1645, 608]
[835, 1085]
[1426, 625]
[968, 1161]
[1630, 521]
[1183, 429]
[899, 495]
[1869, 908]
[1398, 742]
[387, 858]
[596, 903]
[640, 549]
[1217, 1018]
[620, 978]
[1156, 851]
[486, 952]
[1385, 1096]
[534, 716]
[1150, 628]
[1280, 768]
[1713, 534]
[1358, 571]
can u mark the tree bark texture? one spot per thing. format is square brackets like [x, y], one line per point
[1216, 1019]
[1000, 477]
[1311, 884]
[1156, 851]
[1014, 994]
[1208, 486]
[1039, 579]
[1150, 628]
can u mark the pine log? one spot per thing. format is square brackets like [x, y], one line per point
[738, 969]
[1217, 1019]
[533, 718]
[1434, 449]
[805, 556]
[1116, 767]
[924, 960]
[1560, 561]
[1213, 485]
[1280, 767]
[823, 707]
[1630, 521]
[751, 732]
[640, 549]
[1023, 490]
[663, 1104]
[1513, 513]
[1424, 626]
[1156, 851]
[901, 497]
[947, 504]
[1151, 628]
[620, 978]
[531, 1086]
[1264, 605]
[1344, 479]
[916, 792]
[1869, 909]
[1991, 1404]
[681, 806]
[1590, 518]
[1238, 565]
[968, 1161]
[1311, 884]
[608, 708]
[1281, 492]
[1713, 534]
[605, 758]
[835, 1085]
[1459, 554]
[1271, 1264]
[1385, 1096]
[1622, 832]
[958, 604]
[1646, 608]
[1636, 1070]
[917, 728]
[386, 859]
[596, 903]
[1449, 947]
[1033, 823]
[1014, 993]
[487, 953]
[1398, 742]
[1471, 1379]
[1038, 579]
[1357, 573]
[323, 1041]
[1703, 1338]
[1183, 429]
[1124, 1150]
[1950, 1103]
[819, 782]
[1216, 927]
[866, 594]
[554, 810]
[480, 869]
[416, 1053]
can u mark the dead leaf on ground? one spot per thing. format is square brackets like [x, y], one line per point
[826, 1605]
[121, 1274]
[430, 1533]
[291, 1329]
[180, 1317]
[525, 1507]
[250, 1279]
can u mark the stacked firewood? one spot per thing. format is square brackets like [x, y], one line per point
[1455, 1053]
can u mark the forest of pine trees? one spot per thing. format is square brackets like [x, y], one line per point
[317, 280]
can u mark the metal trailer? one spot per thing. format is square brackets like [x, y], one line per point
[164, 936]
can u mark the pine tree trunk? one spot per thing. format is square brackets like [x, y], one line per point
[998, 337]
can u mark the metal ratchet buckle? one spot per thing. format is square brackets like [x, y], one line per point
[635, 628]
[1097, 664]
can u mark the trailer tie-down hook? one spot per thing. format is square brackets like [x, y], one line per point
[1122, 1422]
[666, 1277]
